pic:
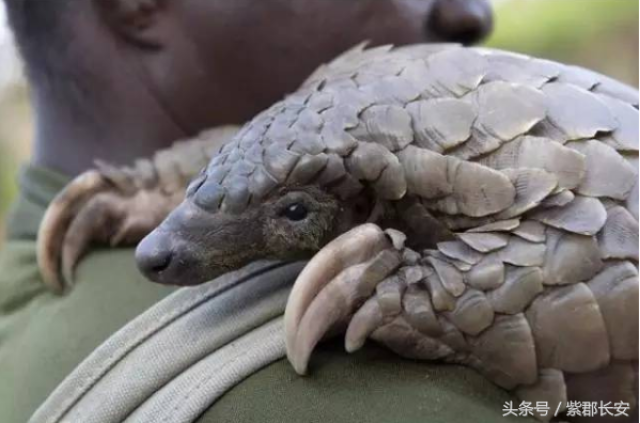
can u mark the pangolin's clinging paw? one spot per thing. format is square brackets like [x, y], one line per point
[336, 283]
[98, 206]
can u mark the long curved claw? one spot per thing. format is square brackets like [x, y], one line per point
[95, 221]
[355, 246]
[337, 280]
[367, 319]
[95, 209]
[56, 220]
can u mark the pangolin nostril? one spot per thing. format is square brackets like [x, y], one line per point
[153, 259]
[161, 263]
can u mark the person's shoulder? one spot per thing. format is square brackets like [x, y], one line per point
[373, 385]
[44, 336]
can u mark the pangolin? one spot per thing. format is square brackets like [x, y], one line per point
[467, 205]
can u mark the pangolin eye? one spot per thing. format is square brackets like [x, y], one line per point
[295, 212]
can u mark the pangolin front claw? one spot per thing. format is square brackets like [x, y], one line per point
[119, 205]
[94, 208]
[334, 284]
[56, 221]
[438, 305]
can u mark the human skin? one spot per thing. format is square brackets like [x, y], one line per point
[154, 71]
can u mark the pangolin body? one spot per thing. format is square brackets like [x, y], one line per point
[527, 168]
[531, 163]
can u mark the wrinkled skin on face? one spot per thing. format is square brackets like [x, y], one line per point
[193, 246]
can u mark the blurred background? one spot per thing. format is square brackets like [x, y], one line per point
[599, 34]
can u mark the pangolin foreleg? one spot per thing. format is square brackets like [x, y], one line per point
[118, 206]
[483, 300]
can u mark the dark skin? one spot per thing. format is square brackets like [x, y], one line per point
[193, 246]
[155, 71]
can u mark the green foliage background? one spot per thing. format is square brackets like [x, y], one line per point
[599, 34]
[15, 135]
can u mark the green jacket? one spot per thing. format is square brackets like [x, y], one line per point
[44, 336]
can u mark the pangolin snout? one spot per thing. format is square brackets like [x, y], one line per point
[167, 258]
[155, 257]
[193, 246]
[164, 258]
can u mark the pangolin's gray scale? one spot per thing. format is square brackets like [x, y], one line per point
[531, 231]
[458, 250]
[522, 70]
[616, 290]
[488, 274]
[569, 329]
[588, 116]
[504, 111]
[472, 313]
[533, 164]
[584, 215]
[570, 258]
[625, 136]
[608, 174]
[532, 187]
[618, 239]
[521, 286]
[505, 351]
[441, 124]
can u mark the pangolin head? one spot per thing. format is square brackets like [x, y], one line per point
[273, 192]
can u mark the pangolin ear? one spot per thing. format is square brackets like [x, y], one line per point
[138, 21]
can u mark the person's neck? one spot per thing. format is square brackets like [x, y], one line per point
[99, 107]
[117, 123]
